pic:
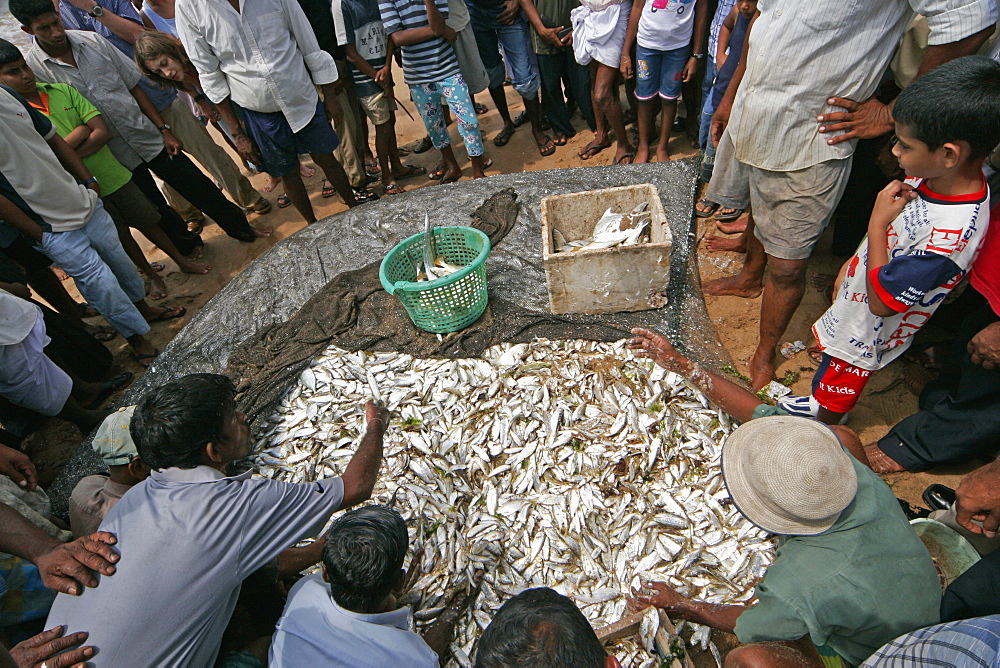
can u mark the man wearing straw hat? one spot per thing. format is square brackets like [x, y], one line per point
[850, 574]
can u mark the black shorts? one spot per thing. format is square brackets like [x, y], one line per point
[25, 255]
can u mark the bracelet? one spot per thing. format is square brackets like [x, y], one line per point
[698, 56]
[87, 182]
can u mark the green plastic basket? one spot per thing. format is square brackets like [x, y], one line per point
[449, 303]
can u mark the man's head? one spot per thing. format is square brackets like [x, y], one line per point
[40, 19]
[190, 421]
[949, 118]
[114, 444]
[14, 72]
[540, 628]
[788, 475]
[363, 558]
[746, 8]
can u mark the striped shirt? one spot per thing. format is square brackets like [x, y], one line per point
[426, 62]
[802, 53]
[721, 12]
[967, 643]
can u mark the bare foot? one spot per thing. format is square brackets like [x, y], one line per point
[197, 253]
[625, 155]
[716, 243]
[733, 227]
[157, 288]
[192, 267]
[272, 183]
[306, 171]
[662, 154]
[262, 231]
[761, 369]
[880, 462]
[641, 156]
[733, 286]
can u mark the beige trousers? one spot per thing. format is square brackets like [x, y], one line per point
[221, 167]
[351, 151]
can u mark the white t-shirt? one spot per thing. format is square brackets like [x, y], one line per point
[315, 631]
[932, 244]
[666, 25]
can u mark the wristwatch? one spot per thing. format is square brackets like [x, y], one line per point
[698, 56]
[92, 179]
[163, 127]
[96, 11]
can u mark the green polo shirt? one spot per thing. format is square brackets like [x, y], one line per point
[68, 110]
[854, 587]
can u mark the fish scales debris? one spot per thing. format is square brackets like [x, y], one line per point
[569, 464]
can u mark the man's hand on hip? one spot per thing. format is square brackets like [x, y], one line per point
[985, 347]
[861, 120]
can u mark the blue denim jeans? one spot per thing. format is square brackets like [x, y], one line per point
[103, 273]
[705, 129]
[515, 40]
[557, 69]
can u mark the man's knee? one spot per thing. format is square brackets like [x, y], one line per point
[787, 273]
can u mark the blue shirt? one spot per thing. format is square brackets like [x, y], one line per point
[426, 62]
[75, 18]
[359, 23]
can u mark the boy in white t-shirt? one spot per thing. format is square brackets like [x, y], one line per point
[666, 30]
[922, 237]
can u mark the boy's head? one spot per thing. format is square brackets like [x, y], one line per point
[363, 558]
[949, 118]
[189, 422]
[114, 444]
[40, 19]
[14, 72]
[540, 628]
[746, 7]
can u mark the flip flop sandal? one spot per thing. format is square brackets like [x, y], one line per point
[520, 119]
[423, 145]
[402, 151]
[411, 171]
[261, 207]
[106, 387]
[503, 137]
[157, 266]
[168, 313]
[394, 189]
[371, 167]
[363, 196]
[480, 108]
[328, 189]
[712, 208]
[546, 149]
[101, 332]
[592, 149]
[86, 310]
[284, 201]
[560, 140]
[452, 179]
[437, 175]
[145, 360]
[628, 156]
[729, 217]
[487, 163]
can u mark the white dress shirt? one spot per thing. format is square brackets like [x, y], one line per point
[315, 631]
[802, 53]
[265, 57]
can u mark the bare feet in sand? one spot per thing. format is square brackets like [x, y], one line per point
[733, 227]
[733, 286]
[272, 183]
[880, 462]
[761, 369]
[197, 253]
[663, 153]
[193, 267]
[157, 288]
[306, 171]
[716, 243]
[262, 231]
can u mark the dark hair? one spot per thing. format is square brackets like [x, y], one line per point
[958, 101]
[26, 11]
[540, 628]
[363, 555]
[9, 53]
[172, 424]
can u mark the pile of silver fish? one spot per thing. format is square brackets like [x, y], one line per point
[433, 266]
[567, 464]
[613, 229]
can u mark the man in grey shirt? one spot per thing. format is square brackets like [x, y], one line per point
[189, 535]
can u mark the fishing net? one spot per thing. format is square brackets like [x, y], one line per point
[320, 287]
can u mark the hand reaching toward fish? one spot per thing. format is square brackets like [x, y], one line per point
[376, 412]
[658, 348]
[664, 598]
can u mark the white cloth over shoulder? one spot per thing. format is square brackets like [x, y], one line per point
[315, 631]
[28, 378]
[599, 31]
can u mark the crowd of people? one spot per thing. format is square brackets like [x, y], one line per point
[883, 117]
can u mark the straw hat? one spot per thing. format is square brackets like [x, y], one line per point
[788, 475]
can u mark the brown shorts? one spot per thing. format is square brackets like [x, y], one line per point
[129, 206]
